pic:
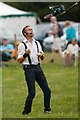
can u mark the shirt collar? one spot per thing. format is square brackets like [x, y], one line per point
[26, 41]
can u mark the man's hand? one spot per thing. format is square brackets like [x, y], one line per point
[41, 55]
[28, 51]
[21, 59]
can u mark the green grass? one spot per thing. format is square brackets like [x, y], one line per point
[63, 82]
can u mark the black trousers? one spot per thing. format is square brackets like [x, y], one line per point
[32, 74]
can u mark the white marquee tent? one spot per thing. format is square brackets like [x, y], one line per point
[13, 20]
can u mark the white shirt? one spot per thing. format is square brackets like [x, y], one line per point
[73, 49]
[33, 53]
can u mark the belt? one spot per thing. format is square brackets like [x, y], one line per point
[28, 66]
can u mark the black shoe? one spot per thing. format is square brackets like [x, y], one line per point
[25, 112]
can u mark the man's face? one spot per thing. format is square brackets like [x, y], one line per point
[53, 19]
[29, 32]
[5, 42]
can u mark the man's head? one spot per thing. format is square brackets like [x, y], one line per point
[4, 42]
[73, 41]
[28, 31]
[53, 19]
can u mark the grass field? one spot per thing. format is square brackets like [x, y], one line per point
[0, 93]
[63, 82]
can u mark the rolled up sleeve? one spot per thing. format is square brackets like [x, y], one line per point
[21, 50]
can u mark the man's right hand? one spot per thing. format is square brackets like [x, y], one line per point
[21, 59]
[28, 51]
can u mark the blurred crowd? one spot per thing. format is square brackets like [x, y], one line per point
[9, 51]
[71, 50]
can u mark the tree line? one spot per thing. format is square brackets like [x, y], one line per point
[42, 9]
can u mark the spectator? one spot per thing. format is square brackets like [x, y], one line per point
[6, 50]
[71, 52]
[54, 32]
[70, 32]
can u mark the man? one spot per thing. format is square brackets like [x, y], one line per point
[29, 54]
[56, 42]
[6, 50]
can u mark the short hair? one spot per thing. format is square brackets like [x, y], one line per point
[67, 23]
[23, 30]
[53, 18]
[4, 39]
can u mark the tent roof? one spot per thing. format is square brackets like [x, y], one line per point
[9, 11]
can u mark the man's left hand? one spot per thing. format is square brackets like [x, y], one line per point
[41, 55]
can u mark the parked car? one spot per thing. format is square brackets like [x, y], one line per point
[48, 41]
